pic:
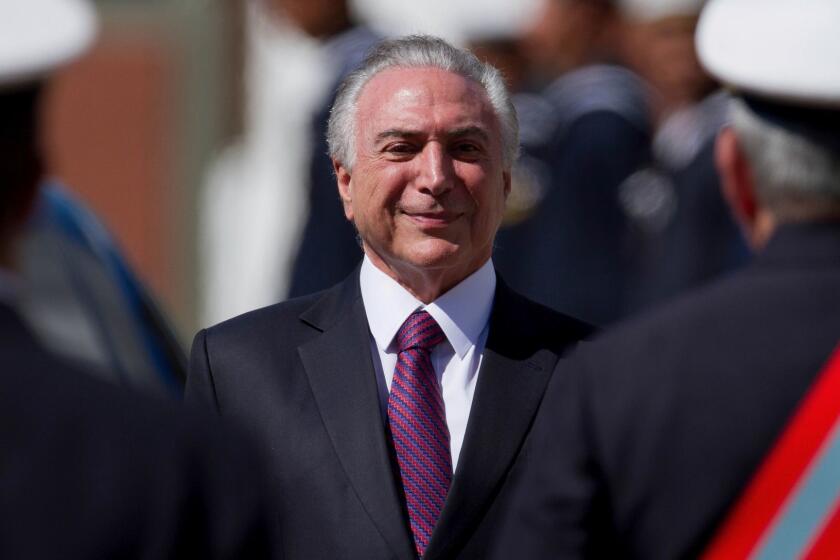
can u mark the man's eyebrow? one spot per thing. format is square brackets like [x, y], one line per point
[472, 130]
[397, 133]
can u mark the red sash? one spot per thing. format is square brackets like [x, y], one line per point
[791, 507]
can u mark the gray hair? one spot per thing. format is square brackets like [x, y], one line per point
[795, 177]
[418, 51]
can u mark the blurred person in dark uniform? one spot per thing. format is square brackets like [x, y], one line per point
[566, 241]
[329, 249]
[687, 234]
[88, 470]
[648, 437]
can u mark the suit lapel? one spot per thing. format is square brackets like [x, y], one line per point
[514, 373]
[341, 374]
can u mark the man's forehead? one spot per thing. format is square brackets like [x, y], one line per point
[401, 95]
[429, 77]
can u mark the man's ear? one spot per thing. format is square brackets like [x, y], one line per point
[737, 183]
[344, 180]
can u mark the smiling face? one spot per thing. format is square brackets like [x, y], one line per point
[428, 187]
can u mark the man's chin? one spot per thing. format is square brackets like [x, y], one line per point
[435, 254]
[429, 254]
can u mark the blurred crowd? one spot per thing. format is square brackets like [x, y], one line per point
[615, 204]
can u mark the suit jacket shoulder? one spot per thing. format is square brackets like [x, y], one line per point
[279, 318]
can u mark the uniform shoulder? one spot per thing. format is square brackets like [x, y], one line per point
[157, 455]
[126, 426]
[601, 89]
[675, 328]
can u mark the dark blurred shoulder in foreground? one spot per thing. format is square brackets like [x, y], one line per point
[93, 471]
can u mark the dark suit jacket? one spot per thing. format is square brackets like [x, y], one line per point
[91, 471]
[643, 447]
[301, 374]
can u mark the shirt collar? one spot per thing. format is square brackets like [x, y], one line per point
[462, 312]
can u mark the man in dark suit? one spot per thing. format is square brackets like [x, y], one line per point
[396, 402]
[88, 470]
[645, 443]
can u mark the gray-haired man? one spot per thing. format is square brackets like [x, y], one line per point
[395, 404]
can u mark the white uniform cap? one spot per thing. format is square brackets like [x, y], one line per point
[37, 36]
[786, 51]
[652, 10]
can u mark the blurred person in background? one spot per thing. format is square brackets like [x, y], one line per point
[271, 222]
[566, 35]
[89, 470]
[656, 39]
[502, 49]
[566, 241]
[715, 418]
[329, 249]
[396, 402]
[687, 234]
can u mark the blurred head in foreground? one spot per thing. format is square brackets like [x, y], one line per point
[780, 158]
[36, 38]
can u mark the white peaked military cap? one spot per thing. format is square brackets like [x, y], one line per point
[652, 10]
[784, 51]
[38, 36]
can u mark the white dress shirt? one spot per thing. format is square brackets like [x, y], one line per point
[463, 314]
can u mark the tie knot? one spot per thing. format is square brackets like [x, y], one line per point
[420, 330]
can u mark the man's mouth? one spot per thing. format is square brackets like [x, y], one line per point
[434, 218]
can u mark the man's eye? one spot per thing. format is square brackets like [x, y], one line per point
[400, 148]
[467, 148]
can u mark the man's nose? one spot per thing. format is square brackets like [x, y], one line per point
[435, 171]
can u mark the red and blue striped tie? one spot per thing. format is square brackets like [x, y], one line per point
[418, 425]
